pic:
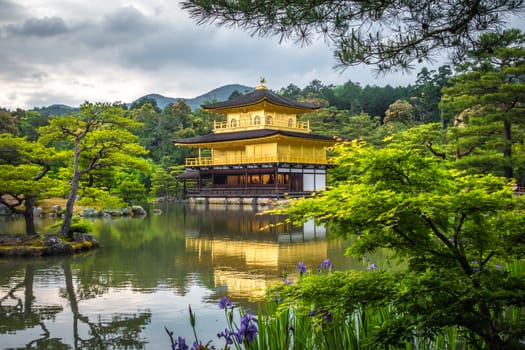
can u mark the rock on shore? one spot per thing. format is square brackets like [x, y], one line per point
[18, 245]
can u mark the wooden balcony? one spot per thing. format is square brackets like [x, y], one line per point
[244, 125]
[208, 161]
[280, 191]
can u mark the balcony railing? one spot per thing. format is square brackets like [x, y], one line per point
[268, 191]
[208, 161]
[223, 126]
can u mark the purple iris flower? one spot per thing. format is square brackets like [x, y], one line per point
[326, 265]
[321, 312]
[250, 333]
[228, 335]
[248, 328]
[372, 267]
[180, 344]
[199, 345]
[301, 267]
[287, 281]
[225, 302]
[248, 318]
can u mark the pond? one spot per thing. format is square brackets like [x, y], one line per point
[148, 271]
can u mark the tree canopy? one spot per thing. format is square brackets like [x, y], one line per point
[24, 176]
[455, 231]
[388, 34]
[492, 88]
[100, 137]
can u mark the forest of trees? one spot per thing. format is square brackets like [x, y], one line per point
[348, 111]
[472, 112]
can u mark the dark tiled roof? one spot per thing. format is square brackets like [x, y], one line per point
[258, 96]
[251, 134]
[188, 174]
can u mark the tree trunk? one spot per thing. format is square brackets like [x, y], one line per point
[70, 290]
[29, 215]
[68, 213]
[493, 340]
[28, 289]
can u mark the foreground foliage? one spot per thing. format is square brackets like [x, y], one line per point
[455, 232]
[322, 308]
[234, 336]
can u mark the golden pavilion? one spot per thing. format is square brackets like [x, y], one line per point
[262, 150]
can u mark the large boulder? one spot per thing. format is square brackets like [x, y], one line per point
[137, 210]
[112, 212]
[55, 246]
[89, 212]
[80, 237]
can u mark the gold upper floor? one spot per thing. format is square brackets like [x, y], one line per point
[264, 152]
[261, 119]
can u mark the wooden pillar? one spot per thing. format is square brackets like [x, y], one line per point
[289, 179]
[276, 179]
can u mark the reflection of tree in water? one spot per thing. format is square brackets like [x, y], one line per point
[46, 343]
[122, 332]
[18, 313]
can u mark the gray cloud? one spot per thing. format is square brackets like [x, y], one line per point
[119, 30]
[42, 98]
[67, 52]
[124, 52]
[11, 68]
[39, 27]
[127, 20]
[10, 11]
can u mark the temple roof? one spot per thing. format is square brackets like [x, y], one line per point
[258, 96]
[251, 134]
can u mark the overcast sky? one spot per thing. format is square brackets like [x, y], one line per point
[69, 51]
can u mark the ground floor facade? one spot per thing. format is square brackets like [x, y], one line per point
[255, 181]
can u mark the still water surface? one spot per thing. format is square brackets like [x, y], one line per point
[146, 273]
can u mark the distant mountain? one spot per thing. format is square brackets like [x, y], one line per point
[220, 94]
[55, 110]
[217, 95]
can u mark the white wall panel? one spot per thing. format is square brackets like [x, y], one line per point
[308, 182]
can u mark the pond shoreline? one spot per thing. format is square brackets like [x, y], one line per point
[23, 245]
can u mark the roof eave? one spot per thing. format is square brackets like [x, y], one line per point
[221, 108]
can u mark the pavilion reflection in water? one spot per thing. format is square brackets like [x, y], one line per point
[249, 252]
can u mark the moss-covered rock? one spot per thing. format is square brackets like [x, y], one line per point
[17, 245]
